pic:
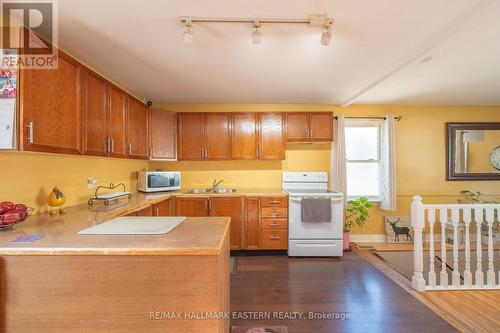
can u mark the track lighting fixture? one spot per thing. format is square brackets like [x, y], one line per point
[320, 21]
[326, 36]
[257, 34]
[188, 33]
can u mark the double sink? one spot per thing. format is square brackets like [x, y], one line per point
[213, 189]
[210, 190]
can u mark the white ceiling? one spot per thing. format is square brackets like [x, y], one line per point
[375, 56]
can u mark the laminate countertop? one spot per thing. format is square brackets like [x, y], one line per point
[58, 235]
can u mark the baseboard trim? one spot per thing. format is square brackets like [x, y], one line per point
[372, 238]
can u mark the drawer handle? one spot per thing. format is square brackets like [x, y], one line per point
[275, 238]
[274, 202]
[274, 225]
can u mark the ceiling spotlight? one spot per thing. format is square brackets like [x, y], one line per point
[326, 36]
[188, 33]
[257, 34]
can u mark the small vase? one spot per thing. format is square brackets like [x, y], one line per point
[347, 237]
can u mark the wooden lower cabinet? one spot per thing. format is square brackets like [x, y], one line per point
[163, 208]
[189, 206]
[230, 206]
[215, 206]
[252, 224]
[148, 211]
[266, 223]
[257, 223]
[274, 239]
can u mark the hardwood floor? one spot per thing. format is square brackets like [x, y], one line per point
[344, 285]
[468, 311]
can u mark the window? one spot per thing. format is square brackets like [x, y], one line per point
[362, 139]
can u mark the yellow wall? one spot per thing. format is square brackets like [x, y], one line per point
[420, 154]
[29, 177]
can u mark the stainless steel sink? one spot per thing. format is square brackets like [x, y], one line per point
[224, 190]
[199, 190]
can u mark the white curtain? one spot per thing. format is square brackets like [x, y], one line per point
[388, 179]
[338, 165]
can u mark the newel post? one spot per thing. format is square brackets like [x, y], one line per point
[417, 222]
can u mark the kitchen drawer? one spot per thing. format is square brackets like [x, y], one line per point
[274, 212]
[275, 223]
[274, 201]
[274, 239]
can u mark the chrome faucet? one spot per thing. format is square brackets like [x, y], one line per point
[216, 183]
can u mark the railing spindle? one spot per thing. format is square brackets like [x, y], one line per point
[490, 275]
[478, 217]
[418, 222]
[455, 275]
[443, 275]
[467, 272]
[431, 217]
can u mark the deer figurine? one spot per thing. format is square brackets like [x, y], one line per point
[399, 230]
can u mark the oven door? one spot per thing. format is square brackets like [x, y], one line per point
[308, 231]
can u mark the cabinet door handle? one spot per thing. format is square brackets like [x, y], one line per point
[106, 146]
[206, 153]
[157, 211]
[311, 133]
[209, 204]
[112, 145]
[130, 148]
[30, 132]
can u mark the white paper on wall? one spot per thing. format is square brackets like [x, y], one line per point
[7, 123]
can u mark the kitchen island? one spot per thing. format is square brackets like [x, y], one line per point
[54, 280]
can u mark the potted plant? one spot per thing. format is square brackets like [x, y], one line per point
[356, 212]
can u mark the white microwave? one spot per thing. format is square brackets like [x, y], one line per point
[158, 181]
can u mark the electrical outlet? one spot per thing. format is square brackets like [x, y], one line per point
[91, 182]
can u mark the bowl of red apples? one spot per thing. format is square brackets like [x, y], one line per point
[11, 214]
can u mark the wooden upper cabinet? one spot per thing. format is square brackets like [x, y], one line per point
[191, 134]
[252, 224]
[244, 136]
[117, 121]
[321, 125]
[137, 134]
[297, 127]
[191, 206]
[309, 127]
[163, 134]
[271, 136]
[95, 122]
[217, 136]
[230, 207]
[51, 107]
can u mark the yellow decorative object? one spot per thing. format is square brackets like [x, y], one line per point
[56, 199]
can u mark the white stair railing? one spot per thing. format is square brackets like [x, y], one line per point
[456, 215]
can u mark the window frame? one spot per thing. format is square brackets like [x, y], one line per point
[366, 122]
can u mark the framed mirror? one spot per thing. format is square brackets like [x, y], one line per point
[473, 151]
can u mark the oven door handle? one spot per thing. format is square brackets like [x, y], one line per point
[332, 199]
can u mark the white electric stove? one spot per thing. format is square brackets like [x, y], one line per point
[312, 239]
